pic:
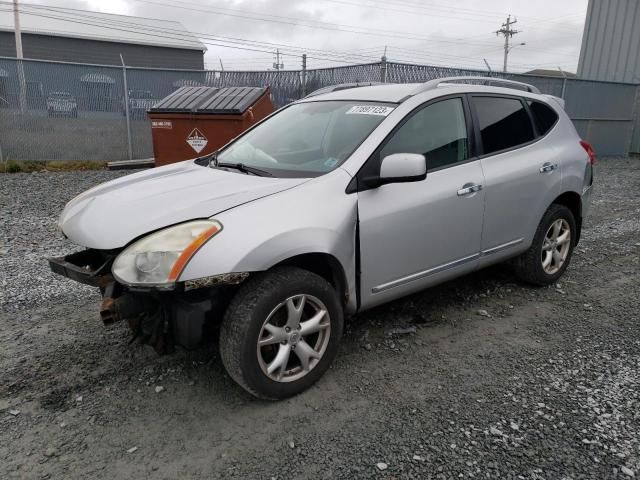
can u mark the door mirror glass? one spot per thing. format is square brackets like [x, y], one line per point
[403, 167]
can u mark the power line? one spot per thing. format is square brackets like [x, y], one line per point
[375, 32]
[319, 52]
[344, 57]
[229, 42]
[301, 23]
[419, 11]
[237, 43]
[110, 23]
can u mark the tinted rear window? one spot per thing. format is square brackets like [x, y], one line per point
[504, 123]
[543, 115]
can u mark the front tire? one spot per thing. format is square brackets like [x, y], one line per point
[281, 332]
[550, 252]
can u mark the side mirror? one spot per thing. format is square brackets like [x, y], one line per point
[400, 168]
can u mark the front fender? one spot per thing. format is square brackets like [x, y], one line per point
[290, 244]
[315, 217]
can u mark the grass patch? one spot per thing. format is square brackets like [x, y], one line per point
[14, 166]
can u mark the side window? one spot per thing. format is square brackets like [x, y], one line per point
[543, 115]
[503, 123]
[438, 131]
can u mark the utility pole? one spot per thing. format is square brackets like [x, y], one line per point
[16, 23]
[303, 80]
[221, 73]
[19, 56]
[508, 32]
[277, 65]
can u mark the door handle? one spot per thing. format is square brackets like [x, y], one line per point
[548, 167]
[469, 188]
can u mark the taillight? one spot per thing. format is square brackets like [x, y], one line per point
[590, 151]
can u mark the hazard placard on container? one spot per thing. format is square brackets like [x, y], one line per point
[197, 140]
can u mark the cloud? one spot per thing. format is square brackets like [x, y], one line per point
[417, 32]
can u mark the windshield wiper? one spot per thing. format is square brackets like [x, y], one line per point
[242, 167]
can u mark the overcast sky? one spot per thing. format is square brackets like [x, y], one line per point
[414, 31]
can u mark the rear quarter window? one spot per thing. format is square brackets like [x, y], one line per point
[543, 115]
[504, 123]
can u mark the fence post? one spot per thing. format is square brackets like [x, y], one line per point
[634, 142]
[22, 87]
[564, 82]
[383, 69]
[303, 79]
[126, 107]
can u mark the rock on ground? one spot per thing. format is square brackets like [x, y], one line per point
[559, 371]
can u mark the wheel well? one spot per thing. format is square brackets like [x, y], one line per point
[573, 202]
[324, 265]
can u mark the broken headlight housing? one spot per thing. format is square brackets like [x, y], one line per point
[159, 259]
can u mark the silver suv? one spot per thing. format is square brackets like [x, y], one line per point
[334, 204]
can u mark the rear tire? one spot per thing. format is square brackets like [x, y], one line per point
[550, 252]
[281, 332]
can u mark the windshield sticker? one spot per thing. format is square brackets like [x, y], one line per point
[331, 162]
[370, 110]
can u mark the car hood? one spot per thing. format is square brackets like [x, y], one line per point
[112, 214]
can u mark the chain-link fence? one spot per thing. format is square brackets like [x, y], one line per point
[66, 111]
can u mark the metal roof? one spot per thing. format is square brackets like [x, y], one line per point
[230, 100]
[106, 27]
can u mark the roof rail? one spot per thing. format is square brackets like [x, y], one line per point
[432, 84]
[341, 86]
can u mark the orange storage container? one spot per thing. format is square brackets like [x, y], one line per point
[195, 121]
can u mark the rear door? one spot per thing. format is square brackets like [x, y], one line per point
[416, 234]
[521, 173]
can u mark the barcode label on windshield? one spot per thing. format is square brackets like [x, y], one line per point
[370, 110]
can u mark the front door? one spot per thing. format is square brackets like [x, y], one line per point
[413, 235]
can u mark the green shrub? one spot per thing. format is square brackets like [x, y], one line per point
[10, 166]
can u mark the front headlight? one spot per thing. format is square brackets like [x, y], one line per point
[160, 258]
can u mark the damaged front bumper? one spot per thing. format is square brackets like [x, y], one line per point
[91, 267]
[161, 318]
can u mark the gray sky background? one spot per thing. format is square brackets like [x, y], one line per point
[414, 31]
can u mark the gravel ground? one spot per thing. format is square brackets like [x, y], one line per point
[498, 380]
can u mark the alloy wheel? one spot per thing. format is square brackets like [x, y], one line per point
[555, 246]
[293, 338]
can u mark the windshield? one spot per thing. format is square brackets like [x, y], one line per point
[307, 139]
